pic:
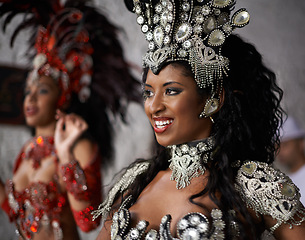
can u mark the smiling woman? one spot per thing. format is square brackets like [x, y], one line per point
[215, 109]
[40, 103]
[172, 104]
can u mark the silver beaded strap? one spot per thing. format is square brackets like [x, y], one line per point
[122, 185]
[268, 191]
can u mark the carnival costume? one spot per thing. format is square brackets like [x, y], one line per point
[41, 204]
[78, 48]
[194, 31]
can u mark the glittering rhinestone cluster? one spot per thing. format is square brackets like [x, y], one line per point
[187, 160]
[189, 30]
[270, 192]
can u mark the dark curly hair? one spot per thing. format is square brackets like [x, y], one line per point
[246, 128]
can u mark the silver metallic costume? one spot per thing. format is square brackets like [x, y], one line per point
[264, 189]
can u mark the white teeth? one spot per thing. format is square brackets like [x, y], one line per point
[160, 124]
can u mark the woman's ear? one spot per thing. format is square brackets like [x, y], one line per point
[221, 98]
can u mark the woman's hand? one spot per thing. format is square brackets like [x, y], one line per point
[69, 128]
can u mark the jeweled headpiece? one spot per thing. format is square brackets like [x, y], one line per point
[64, 53]
[191, 31]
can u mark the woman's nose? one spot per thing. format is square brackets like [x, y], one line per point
[32, 95]
[157, 104]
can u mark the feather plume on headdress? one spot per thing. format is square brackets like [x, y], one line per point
[77, 46]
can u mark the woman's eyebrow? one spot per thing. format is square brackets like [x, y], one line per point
[172, 82]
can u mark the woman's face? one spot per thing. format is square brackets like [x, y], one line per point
[40, 102]
[173, 106]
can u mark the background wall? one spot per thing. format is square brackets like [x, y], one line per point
[276, 29]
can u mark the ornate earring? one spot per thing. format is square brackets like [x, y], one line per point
[211, 106]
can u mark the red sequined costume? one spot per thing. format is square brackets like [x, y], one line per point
[41, 204]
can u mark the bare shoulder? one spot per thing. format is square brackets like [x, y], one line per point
[85, 151]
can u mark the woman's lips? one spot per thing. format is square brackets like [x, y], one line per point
[30, 111]
[161, 125]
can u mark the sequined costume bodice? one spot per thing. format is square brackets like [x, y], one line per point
[41, 204]
[191, 226]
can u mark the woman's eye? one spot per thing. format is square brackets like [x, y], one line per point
[147, 94]
[43, 91]
[173, 91]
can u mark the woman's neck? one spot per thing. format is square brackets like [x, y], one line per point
[48, 130]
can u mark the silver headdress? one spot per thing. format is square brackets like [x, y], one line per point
[189, 30]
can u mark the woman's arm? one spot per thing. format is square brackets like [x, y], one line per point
[79, 169]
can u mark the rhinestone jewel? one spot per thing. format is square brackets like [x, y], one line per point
[206, 10]
[197, 29]
[151, 46]
[184, 31]
[195, 220]
[164, 18]
[202, 146]
[249, 168]
[186, 7]
[191, 234]
[141, 225]
[166, 39]
[221, 3]
[202, 227]
[152, 235]
[182, 53]
[287, 190]
[149, 36]
[210, 25]
[216, 214]
[184, 148]
[219, 224]
[140, 20]
[134, 234]
[227, 28]
[138, 10]
[170, 6]
[187, 44]
[167, 28]
[183, 224]
[241, 18]
[164, 219]
[158, 35]
[144, 28]
[170, 17]
[158, 8]
[193, 151]
[199, 19]
[184, 16]
[156, 19]
[216, 38]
